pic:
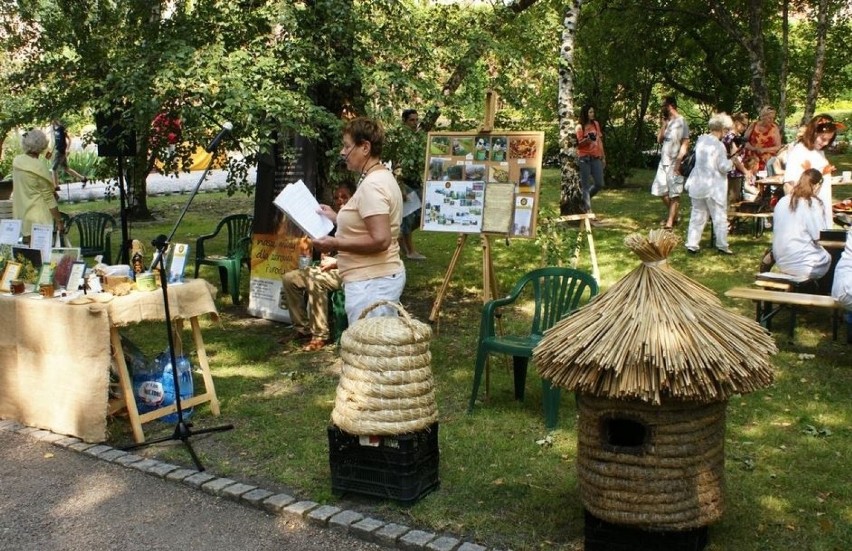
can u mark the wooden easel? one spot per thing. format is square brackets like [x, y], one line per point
[489, 282]
[585, 228]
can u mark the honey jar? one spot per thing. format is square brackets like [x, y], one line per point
[17, 286]
[46, 290]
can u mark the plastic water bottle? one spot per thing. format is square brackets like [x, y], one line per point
[184, 380]
[305, 256]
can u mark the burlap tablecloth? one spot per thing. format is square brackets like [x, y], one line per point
[55, 357]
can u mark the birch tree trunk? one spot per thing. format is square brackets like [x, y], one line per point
[822, 19]
[570, 199]
[785, 63]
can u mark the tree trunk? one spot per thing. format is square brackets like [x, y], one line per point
[819, 61]
[570, 199]
[751, 41]
[136, 182]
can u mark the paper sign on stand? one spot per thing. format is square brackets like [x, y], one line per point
[10, 232]
[178, 263]
[41, 238]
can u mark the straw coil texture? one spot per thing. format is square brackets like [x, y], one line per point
[674, 481]
[386, 385]
[656, 334]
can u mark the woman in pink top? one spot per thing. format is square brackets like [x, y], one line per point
[368, 225]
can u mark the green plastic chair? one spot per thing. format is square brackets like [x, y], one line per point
[238, 229]
[94, 234]
[556, 292]
[338, 312]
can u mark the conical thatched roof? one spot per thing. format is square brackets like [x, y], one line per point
[656, 334]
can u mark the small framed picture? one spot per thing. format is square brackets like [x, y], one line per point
[31, 262]
[45, 276]
[63, 260]
[75, 278]
[11, 272]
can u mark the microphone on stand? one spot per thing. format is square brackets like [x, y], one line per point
[226, 129]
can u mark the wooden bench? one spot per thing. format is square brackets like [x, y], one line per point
[777, 281]
[769, 303]
[760, 219]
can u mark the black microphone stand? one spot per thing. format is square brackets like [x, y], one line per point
[124, 252]
[183, 430]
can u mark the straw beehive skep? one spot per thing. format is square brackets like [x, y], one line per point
[655, 334]
[386, 385]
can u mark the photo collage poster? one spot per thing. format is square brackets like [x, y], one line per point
[461, 168]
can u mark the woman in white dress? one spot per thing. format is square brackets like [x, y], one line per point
[841, 290]
[799, 219]
[809, 152]
[708, 185]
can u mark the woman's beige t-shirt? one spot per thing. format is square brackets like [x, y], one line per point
[378, 194]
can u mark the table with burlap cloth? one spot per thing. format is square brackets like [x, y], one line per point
[55, 356]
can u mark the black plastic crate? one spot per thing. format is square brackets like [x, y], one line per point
[402, 468]
[605, 536]
[399, 450]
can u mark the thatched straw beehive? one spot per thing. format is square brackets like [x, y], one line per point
[653, 361]
[386, 385]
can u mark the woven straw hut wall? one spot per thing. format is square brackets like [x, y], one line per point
[656, 467]
[653, 361]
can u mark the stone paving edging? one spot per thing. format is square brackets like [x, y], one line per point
[387, 534]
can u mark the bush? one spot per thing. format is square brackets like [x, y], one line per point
[621, 155]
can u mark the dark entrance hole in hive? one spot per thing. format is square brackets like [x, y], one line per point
[624, 435]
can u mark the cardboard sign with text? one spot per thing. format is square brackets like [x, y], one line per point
[272, 254]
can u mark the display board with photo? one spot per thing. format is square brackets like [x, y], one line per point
[460, 168]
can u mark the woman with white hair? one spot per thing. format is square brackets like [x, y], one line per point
[33, 199]
[708, 185]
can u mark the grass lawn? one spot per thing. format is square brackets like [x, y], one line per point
[788, 447]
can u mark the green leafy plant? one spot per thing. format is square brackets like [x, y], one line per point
[11, 149]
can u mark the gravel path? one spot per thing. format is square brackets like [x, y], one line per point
[54, 498]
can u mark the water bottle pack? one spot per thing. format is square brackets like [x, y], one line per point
[154, 386]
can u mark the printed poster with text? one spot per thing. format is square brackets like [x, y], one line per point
[272, 254]
[482, 182]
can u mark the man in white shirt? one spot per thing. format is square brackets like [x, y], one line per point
[673, 138]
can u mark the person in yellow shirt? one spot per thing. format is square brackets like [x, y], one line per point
[33, 198]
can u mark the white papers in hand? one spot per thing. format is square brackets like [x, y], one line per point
[411, 203]
[300, 206]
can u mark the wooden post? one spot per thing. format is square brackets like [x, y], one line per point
[585, 227]
[490, 111]
[489, 292]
